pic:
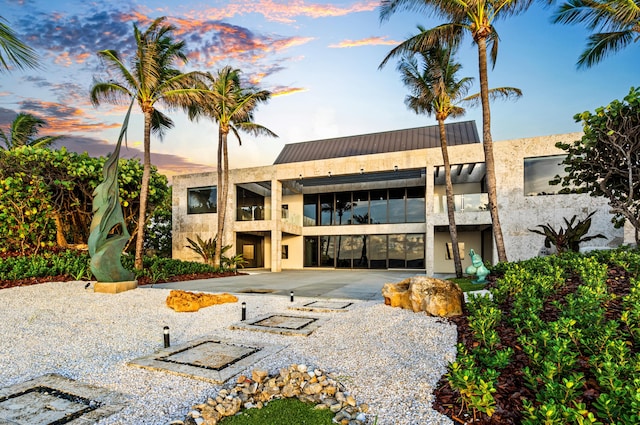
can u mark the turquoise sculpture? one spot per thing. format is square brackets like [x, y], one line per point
[108, 232]
[477, 267]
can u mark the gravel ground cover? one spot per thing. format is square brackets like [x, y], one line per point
[387, 357]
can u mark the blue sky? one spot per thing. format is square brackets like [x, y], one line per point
[320, 59]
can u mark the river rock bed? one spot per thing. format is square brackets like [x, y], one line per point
[387, 358]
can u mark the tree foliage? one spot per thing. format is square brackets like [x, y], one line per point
[606, 161]
[616, 24]
[44, 206]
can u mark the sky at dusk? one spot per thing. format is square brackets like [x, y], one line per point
[319, 59]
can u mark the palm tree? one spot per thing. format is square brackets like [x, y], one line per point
[23, 131]
[152, 80]
[476, 18]
[431, 79]
[17, 53]
[232, 107]
[617, 23]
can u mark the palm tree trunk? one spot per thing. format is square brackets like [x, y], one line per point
[453, 231]
[60, 239]
[487, 143]
[221, 204]
[144, 190]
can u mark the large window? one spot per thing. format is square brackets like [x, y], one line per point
[365, 251]
[399, 205]
[201, 200]
[539, 171]
[250, 205]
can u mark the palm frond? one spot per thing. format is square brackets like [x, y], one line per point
[16, 53]
[601, 45]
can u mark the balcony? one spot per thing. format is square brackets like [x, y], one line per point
[468, 202]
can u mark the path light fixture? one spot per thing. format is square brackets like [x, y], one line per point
[244, 311]
[395, 168]
[167, 343]
[362, 171]
[291, 294]
[329, 173]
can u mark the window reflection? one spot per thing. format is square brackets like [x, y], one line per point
[202, 200]
[539, 171]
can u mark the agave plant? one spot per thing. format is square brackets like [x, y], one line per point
[568, 239]
[205, 249]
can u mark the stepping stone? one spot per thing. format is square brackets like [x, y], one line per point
[55, 400]
[281, 324]
[325, 306]
[208, 359]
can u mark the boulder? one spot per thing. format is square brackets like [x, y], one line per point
[436, 297]
[190, 301]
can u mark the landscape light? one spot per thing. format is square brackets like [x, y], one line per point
[244, 311]
[167, 344]
[291, 294]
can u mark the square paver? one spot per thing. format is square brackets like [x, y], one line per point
[281, 324]
[56, 400]
[325, 306]
[208, 359]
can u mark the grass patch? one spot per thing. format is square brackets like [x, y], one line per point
[290, 411]
[465, 283]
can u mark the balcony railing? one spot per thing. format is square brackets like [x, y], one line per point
[463, 203]
[253, 213]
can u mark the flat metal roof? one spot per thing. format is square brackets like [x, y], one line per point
[458, 133]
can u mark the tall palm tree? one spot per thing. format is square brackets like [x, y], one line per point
[616, 22]
[231, 105]
[475, 18]
[23, 131]
[16, 53]
[431, 78]
[152, 80]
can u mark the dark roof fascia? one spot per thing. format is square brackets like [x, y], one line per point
[458, 133]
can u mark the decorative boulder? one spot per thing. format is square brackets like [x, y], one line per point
[190, 301]
[435, 297]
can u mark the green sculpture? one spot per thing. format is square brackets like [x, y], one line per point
[477, 267]
[108, 232]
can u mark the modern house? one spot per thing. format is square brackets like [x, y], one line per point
[377, 201]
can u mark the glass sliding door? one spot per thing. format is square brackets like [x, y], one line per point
[415, 205]
[310, 210]
[397, 251]
[377, 251]
[378, 206]
[415, 251]
[326, 209]
[328, 251]
[311, 253]
[345, 252]
[397, 205]
[360, 208]
[343, 208]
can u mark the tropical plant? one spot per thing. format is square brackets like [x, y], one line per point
[605, 161]
[234, 262]
[23, 130]
[206, 248]
[153, 81]
[231, 105]
[477, 19]
[16, 53]
[616, 24]
[568, 239]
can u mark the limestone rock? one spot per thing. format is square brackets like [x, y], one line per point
[436, 297]
[190, 301]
